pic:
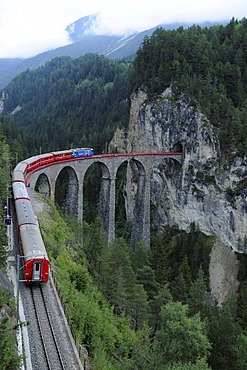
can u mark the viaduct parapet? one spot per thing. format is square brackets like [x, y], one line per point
[44, 181]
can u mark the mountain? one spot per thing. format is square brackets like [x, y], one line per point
[84, 40]
[83, 26]
[188, 93]
[6, 66]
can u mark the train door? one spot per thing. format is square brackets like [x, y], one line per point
[37, 271]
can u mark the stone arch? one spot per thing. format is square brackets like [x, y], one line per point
[142, 202]
[104, 207]
[43, 185]
[136, 200]
[165, 174]
[67, 190]
[142, 166]
[123, 213]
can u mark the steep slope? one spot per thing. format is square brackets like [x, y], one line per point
[203, 193]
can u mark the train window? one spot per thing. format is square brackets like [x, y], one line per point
[36, 271]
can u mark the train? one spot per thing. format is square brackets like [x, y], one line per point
[36, 263]
[35, 260]
[82, 152]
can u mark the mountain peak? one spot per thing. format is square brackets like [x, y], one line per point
[82, 27]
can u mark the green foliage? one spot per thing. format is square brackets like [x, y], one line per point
[141, 264]
[54, 232]
[4, 183]
[94, 242]
[119, 283]
[198, 299]
[3, 243]
[13, 138]
[109, 339]
[241, 306]
[80, 102]
[123, 305]
[179, 288]
[207, 64]
[69, 103]
[121, 224]
[224, 331]
[126, 317]
[178, 255]
[240, 352]
[200, 364]
[91, 192]
[9, 358]
[181, 339]
[162, 298]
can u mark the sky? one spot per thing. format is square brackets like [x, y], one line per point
[29, 27]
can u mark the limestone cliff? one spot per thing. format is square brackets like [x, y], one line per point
[203, 191]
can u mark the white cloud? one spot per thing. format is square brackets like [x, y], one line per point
[28, 27]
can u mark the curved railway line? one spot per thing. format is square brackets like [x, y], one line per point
[51, 344]
[31, 297]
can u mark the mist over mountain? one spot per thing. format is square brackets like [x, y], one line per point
[84, 40]
[83, 26]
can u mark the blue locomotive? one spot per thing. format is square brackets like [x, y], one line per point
[82, 152]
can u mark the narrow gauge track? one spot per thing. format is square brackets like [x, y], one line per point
[51, 349]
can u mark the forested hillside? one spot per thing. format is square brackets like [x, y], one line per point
[144, 309]
[9, 358]
[69, 103]
[207, 64]
[134, 308]
[81, 101]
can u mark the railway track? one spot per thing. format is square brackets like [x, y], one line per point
[52, 352]
[35, 302]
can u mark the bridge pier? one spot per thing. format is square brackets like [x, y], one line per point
[146, 212]
[143, 165]
[80, 202]
[111, 228]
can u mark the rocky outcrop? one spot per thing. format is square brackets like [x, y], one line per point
[223, 271]
[204, 190]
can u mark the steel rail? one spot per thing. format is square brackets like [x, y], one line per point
[51, 349]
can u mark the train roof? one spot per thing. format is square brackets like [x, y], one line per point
[61, 152]
[44, 155]
[32, 242]
[21, 166]
[24, 211]
[87, 148]
[17, 176]
[36, 157]
[20, 190]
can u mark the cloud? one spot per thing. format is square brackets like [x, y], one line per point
[28, 27]
[140, 15]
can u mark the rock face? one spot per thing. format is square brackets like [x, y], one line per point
[204, 191]
[223, 270]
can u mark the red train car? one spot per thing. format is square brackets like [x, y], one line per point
[36, 261]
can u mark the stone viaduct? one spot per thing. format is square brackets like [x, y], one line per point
[44, 181]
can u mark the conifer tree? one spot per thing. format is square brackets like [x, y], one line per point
[181, 339]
